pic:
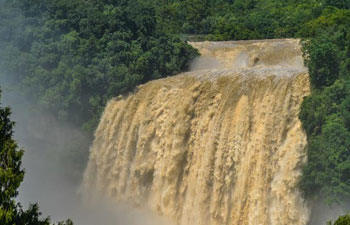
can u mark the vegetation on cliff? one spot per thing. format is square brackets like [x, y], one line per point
[326, 112]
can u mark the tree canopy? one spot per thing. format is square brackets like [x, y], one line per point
[326, 112]
[72, 56]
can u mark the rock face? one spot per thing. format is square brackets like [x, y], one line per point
[214, 146]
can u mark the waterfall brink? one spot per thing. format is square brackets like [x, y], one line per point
[215, 146]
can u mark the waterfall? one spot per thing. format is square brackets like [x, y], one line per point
[220, 145]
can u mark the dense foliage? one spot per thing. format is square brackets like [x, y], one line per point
[240, 19]
[326, 113]
[11, 176]
[72, 56]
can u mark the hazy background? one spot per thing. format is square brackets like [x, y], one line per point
[54, 160]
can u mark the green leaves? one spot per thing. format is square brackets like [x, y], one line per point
[325, 114]
[342, 220]
[325, 117]
[11, 176]
[78, 50]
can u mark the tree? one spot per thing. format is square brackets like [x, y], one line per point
[11, 176]
[325, 114]
[343, 220]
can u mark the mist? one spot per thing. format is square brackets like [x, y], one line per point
[54, 161]
[322, 212]
[205, 63]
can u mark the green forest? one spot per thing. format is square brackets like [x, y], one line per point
[70, 57]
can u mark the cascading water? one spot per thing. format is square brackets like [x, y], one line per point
[221, 145]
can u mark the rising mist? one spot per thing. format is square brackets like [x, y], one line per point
[54, 160]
